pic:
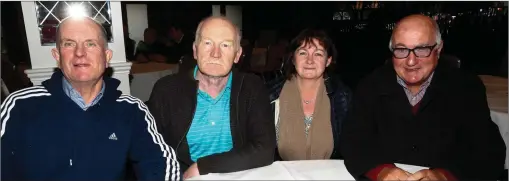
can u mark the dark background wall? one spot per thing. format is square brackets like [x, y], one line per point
[480, 41]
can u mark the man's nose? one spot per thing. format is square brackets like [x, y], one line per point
[216, 52]
[411, 60]
[80, 50]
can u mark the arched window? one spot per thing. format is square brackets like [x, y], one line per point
[51, 13]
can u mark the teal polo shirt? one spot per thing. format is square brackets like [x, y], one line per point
[210, 130]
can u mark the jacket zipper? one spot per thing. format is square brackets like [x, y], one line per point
[73, 147]
[189, 126]
[74, 144]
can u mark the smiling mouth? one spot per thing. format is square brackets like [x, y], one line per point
[412, 70]
[81, 65]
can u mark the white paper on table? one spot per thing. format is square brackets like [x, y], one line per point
[410, 168]
[275, 171]
[296, 170]
[502, 121]
[318, 170]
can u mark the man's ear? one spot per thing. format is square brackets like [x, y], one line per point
[195, 55]
[109, 55]
[237, 57]
[56, 55]
[440, 46]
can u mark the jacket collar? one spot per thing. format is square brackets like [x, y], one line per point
[189, 77]
[55, 86]
[188, 90]
[332, 83]
[388, 83]
[388, 86]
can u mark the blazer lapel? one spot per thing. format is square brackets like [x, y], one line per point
[188, 101]
[186, 104]
[393, 96]
[237, 81]
[435, 85]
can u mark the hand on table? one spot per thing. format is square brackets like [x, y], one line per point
[192, 171]
[393, 174]
[427, 174]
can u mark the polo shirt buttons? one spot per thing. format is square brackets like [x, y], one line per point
[213, 123]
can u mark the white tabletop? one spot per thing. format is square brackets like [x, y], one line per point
[496, 94]
[142, 83]
[296, 170]
[496, 89]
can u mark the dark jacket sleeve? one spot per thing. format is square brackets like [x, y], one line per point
[342, 102]
[258, 149]
[358, 137]
[155, 104]
[482, 154]
[153, 159]
[10, 124]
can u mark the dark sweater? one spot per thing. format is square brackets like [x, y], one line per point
[173, 103]
[47, 136]
[451, 130]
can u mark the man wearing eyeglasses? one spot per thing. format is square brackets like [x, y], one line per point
[420, 110]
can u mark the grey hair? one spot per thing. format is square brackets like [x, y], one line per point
[438, 35]
[200, 26]
[103, 34]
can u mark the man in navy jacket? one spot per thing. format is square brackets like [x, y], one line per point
[77, 125]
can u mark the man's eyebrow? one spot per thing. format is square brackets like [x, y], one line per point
[205, 38]
[400, 45]
[67, 39]
[227, 41]
[423, 45]
[87, 40]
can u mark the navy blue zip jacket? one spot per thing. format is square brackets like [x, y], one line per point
[46, 136]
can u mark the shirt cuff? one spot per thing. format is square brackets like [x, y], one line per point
[373, 173]
[448, 175]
